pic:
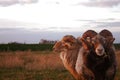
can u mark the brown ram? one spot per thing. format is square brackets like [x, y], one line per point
[98, 55]
[68, 48]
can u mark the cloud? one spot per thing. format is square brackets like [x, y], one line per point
[7, 23]
[108, 24]
[53, 2]
[112, 24]
[100, 3]
[12, 2]
[11, 30]
[22, 35]
[84, 20]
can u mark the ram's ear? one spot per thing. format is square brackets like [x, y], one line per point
[85, 43]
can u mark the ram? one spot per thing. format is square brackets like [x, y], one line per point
[97, 57]
[110, 50]
[68, 48]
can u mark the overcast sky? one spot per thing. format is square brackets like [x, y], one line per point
[31, 20]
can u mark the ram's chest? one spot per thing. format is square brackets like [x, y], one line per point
[99, 64]
[103, 64]
[63, 56]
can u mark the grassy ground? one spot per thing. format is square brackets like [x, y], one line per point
[37, 65]
[23, 74]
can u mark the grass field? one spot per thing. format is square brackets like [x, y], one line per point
[36, 65]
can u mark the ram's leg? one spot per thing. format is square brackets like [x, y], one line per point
[81, 69]
[87, 73]
[110, 73]
[71, 70]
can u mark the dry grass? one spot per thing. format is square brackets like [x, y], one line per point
[32, 66]
[38, 66]
[30, 60]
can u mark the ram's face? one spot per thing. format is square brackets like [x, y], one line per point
[67, 43]
[58, 46]
[98, 43]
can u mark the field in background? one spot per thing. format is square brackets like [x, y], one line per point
[36, 65]
[25, 47]
[32, 47]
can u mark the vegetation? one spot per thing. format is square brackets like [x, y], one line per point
[35, 62]
[25, 47]
[117, 46]
[36, 65]
[29, 65]
[32, 47]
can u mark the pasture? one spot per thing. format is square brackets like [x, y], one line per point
[36, 65]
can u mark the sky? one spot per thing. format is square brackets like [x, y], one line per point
[29, 21]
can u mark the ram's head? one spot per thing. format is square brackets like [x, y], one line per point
[98, 43]
[68, 42]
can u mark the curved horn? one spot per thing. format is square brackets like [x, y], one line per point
[85, 44]
[89, 33]
[106, 33]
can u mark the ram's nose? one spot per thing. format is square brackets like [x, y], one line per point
[100, 50]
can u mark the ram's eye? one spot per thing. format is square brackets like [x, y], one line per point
[93, 41]
[88, 39]
[104, 41]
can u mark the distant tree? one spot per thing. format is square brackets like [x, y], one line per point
[14, 43]
[44, 41]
